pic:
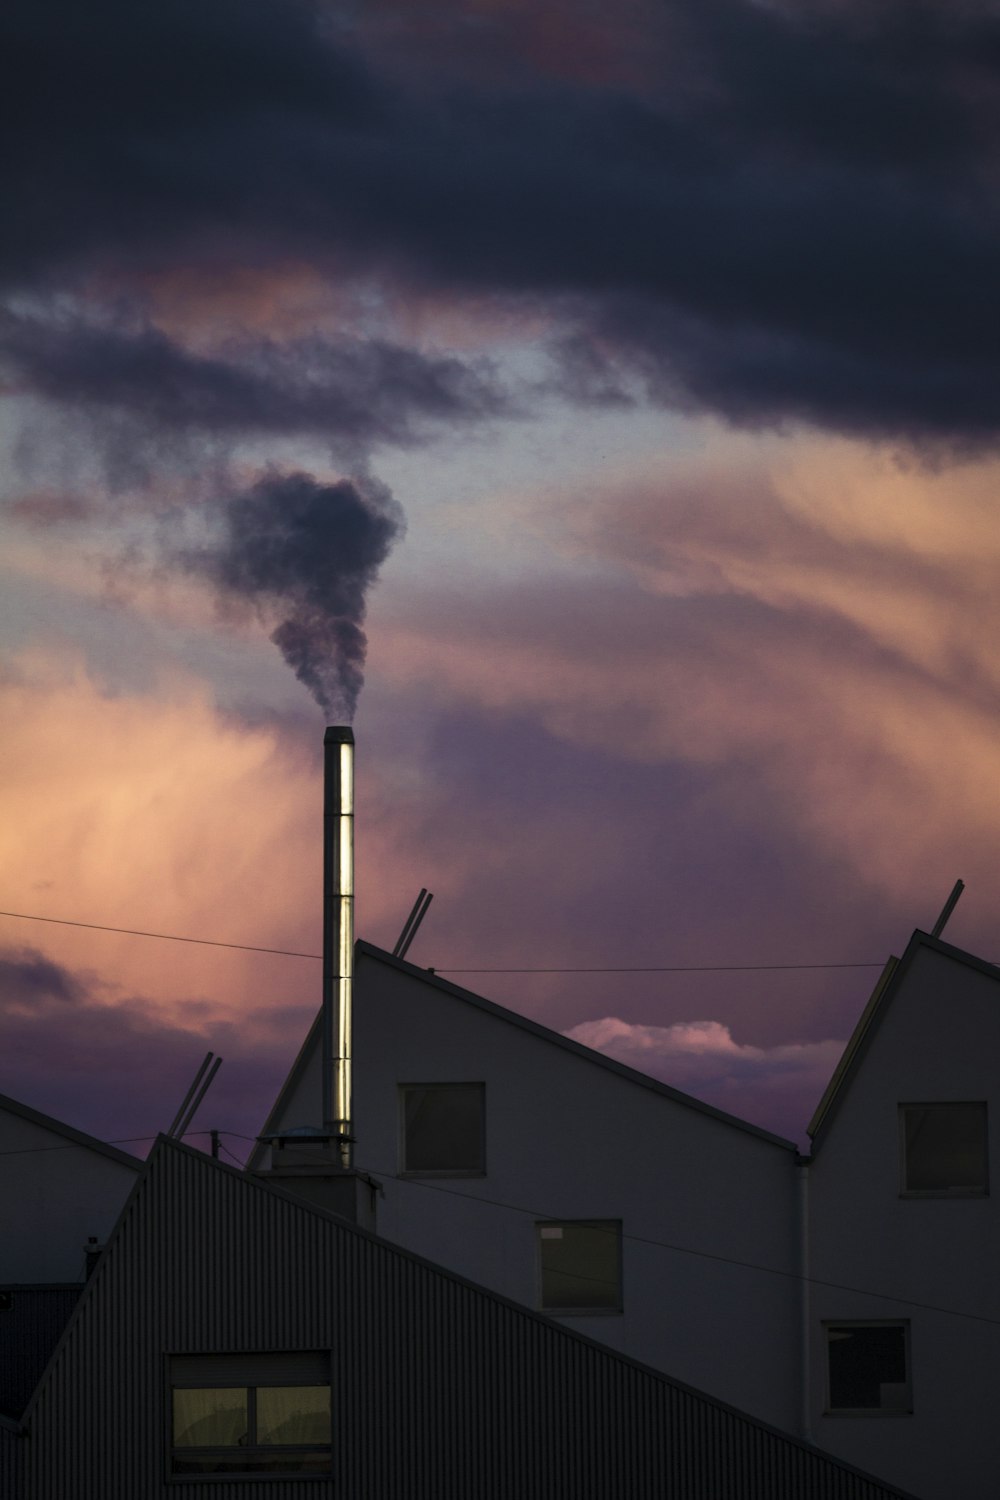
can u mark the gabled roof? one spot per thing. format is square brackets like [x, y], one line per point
[523, 1023]
[68, 1132]
[444, 1389]
[893, 976]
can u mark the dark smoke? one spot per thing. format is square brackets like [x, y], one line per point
[352, 392]
[308, 552]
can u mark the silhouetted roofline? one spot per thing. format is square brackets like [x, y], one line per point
[292, 1077]
[59, 1127]
[888, 983]
[254, 1183]
[513, 1018]
[589, 1054]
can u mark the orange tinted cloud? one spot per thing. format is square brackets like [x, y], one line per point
[802, 613]
[153, 812]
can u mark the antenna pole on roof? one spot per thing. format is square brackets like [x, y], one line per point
[178, 1117]
[412, 922]
[948, 908]
[185, 1124]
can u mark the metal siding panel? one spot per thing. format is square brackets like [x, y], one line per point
[441, 1391]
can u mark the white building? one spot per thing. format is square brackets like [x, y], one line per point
[904, 1244]
[61, 1190]
[555, 1176]
[851, 1298]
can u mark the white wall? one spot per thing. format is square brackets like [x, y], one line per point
[568, 1137]
[939, 1040]
[55, 1192]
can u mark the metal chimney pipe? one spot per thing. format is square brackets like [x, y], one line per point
[338, 932]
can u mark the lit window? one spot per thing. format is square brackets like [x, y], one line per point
[580, 1265]
[443, 1129]
[869, 1368]
[250, 1414]
[944, 1149]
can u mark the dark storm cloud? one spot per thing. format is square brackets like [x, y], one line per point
[350, 392]
[307, 552]
[29, 980]
[120, 1070]
[798, 220]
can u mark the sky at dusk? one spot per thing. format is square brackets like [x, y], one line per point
[599, 405]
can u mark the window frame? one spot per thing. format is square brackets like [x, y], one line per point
[440, 1086]
[221, 1372]
[609, 1311]
[831, 1324]
[905, 1191]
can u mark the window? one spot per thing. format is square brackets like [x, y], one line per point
[869, 1368]
[443, 1129]
[250, 1414]
[580, 1265]
[943, 1150]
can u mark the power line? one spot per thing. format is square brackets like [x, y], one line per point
[662, 969]
[639, 1239]
[727, 1260]
[166, 937]
[126, 1140]
[225, 1148]
[173, 937]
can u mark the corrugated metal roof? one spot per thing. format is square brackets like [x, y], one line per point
[441, 1390]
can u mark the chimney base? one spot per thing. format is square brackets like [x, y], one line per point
[308, 1165]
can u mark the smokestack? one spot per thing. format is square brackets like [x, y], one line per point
[338, 932]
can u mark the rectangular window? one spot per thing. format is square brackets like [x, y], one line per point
[250, 1414]
[943, 1150]
[869, 1368]
[443, 1129]
[580, 1265]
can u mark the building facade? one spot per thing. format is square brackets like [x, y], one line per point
[61, 1190]
[237, 1340]
[574, 1185]
[849, 1297]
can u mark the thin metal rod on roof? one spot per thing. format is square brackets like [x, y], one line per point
[421, 914]
[406, 925]
[412, 922]
[178, 1117]
[185, 1124]
[948, 908]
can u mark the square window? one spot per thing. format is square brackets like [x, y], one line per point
[443, 1129]
[869, 1368]
[250, 1414]
[943, 1150]
[580, 1265]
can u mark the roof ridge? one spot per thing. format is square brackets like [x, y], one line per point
[589, 1054]
[60, 1127]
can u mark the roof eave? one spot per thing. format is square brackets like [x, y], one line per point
[59, 1127]
[871, 1017]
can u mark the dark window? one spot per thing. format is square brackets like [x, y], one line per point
[944, 1149]
[443, 1129]
[250, 1414]
[580, 1264]
[869, 1367]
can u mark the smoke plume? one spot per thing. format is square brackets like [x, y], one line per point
[308, 553]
